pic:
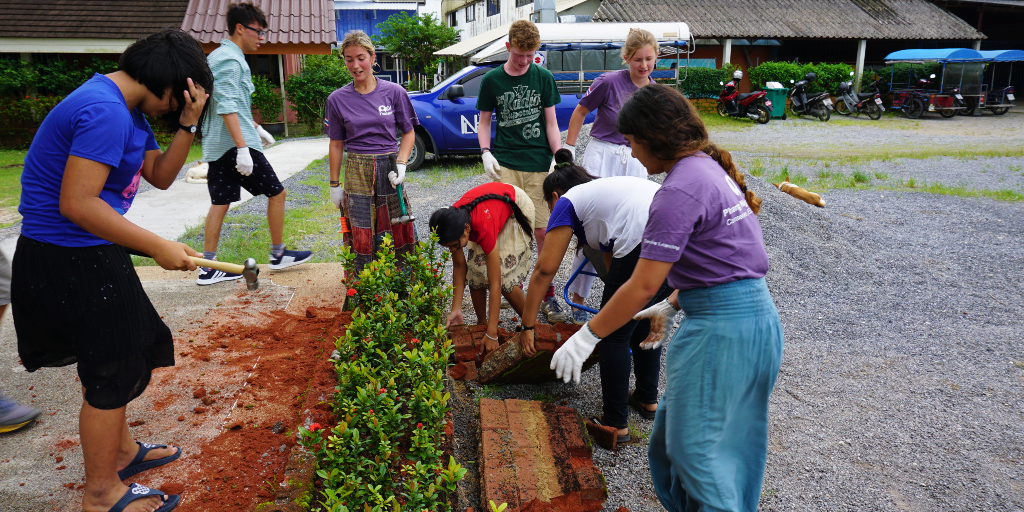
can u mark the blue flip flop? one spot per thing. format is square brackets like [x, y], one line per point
[137, 492]
[138, 464]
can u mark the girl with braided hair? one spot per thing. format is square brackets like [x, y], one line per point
[495, 221]
[608, 217]
[709, 443]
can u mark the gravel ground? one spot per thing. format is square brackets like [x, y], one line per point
[900, 387]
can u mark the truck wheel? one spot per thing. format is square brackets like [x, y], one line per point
[419, 151]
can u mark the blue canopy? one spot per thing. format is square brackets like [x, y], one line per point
[940, 55]
[1004, 55]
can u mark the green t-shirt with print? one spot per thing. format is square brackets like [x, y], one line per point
[521, 141]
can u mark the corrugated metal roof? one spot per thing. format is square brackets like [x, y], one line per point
[844, 19]
[365, 20]
[290, 21]
[92, 19]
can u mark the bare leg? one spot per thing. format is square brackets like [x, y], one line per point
[539, 233]
[577, 298]
[102, 433]
[479, 297]
[214, 220]
[129, 448]
[275, 217]
[516, 299]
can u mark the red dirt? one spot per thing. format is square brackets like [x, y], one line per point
[241, 378]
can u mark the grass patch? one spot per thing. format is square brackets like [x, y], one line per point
[881, 176]
[635, 433]
[888, 154]
[12, 161]
[311, 227]
[714, 122]
[1005, 195]
[446, 170]
[859, 177]
[756, 168]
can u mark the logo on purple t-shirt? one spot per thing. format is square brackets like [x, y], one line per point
[385, 110]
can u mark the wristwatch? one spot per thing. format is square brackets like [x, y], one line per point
[190, 128]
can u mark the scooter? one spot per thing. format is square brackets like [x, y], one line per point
[851, 102]
[818, 105]
[752, 105]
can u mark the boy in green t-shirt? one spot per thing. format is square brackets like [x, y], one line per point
[524, 97]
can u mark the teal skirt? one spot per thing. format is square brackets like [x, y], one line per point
[710, 436]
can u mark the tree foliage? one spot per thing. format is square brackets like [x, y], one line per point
[308, 89]
[704, 82]
[414, 39]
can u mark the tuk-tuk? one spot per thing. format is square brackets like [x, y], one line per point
[962, 70]
[999, 100]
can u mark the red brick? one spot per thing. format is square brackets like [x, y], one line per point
[544, 333]
[470, 370]
[622, 509]
[547, 345]
[477, 328]
[604, 436]
[465, 353]
[592, 485]
[499, 486]
[569, 422]
[527, 483]
[492, 415]
[457, 371]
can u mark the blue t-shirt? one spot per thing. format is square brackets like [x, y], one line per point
[94, 123]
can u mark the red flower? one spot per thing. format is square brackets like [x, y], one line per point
[377, 297]
[382, 391]
[351, 292]
[414, 340]
[371, 411]
[419, 425]
[314, 427]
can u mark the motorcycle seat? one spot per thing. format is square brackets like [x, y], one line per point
[865, 95]
[745, 95]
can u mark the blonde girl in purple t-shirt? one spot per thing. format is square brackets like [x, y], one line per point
[608, 153]
[363, 118]
[709, 443]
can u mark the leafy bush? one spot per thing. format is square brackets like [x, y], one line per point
[266, 99]
[704, 82]
[19, 118]
[385, 454]
[829, 75]
[905, 73]
[308, 89]
[57, 78]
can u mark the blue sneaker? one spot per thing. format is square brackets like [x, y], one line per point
[289, 259]
[579, 317]
[14, 415]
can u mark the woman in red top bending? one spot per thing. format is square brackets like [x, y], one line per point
[495, 221]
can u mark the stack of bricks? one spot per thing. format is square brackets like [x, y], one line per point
[535, 457]
[508, 364]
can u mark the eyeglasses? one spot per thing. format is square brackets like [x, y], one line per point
[259, 33]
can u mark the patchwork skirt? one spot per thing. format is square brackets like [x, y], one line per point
[372, 203]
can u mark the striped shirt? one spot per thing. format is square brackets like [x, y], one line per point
[232, 94]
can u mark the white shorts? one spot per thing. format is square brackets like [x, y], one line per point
[604, 159]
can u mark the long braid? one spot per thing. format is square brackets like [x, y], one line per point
[724, 158]
[519, 215]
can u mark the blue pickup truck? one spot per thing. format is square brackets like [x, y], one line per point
[449, 118]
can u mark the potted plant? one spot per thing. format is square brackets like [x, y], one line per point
[266, 99]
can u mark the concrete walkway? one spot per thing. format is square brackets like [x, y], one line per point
[169, 212]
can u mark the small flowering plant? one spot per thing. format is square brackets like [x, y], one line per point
[385, 454]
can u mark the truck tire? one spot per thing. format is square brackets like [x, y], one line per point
[419, 152]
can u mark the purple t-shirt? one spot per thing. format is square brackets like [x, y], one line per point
[700, 221]
[369, 123]
[607, 94]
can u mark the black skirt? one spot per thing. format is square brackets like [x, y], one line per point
[87, 305]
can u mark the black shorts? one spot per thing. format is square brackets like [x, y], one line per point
[87, 305]
[225, 182]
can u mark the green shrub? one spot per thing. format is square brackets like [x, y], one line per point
[829, 75]
[386, 452]
[266, 99]
[905, 73]
[704, 82]
[309, 88]
[16, 78]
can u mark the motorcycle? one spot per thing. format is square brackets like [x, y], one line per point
[752, 105]
[851, 102]
[818, 105]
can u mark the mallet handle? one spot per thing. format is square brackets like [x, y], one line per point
[234, 268]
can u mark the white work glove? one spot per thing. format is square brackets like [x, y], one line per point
[571, 148]
[337, 196]
[243, 161]
[659, 314]
[491, 166]
[567, 361]
[398, 178]
[267, 138]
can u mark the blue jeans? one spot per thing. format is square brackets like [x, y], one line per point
[710, 437]
[620, 348]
